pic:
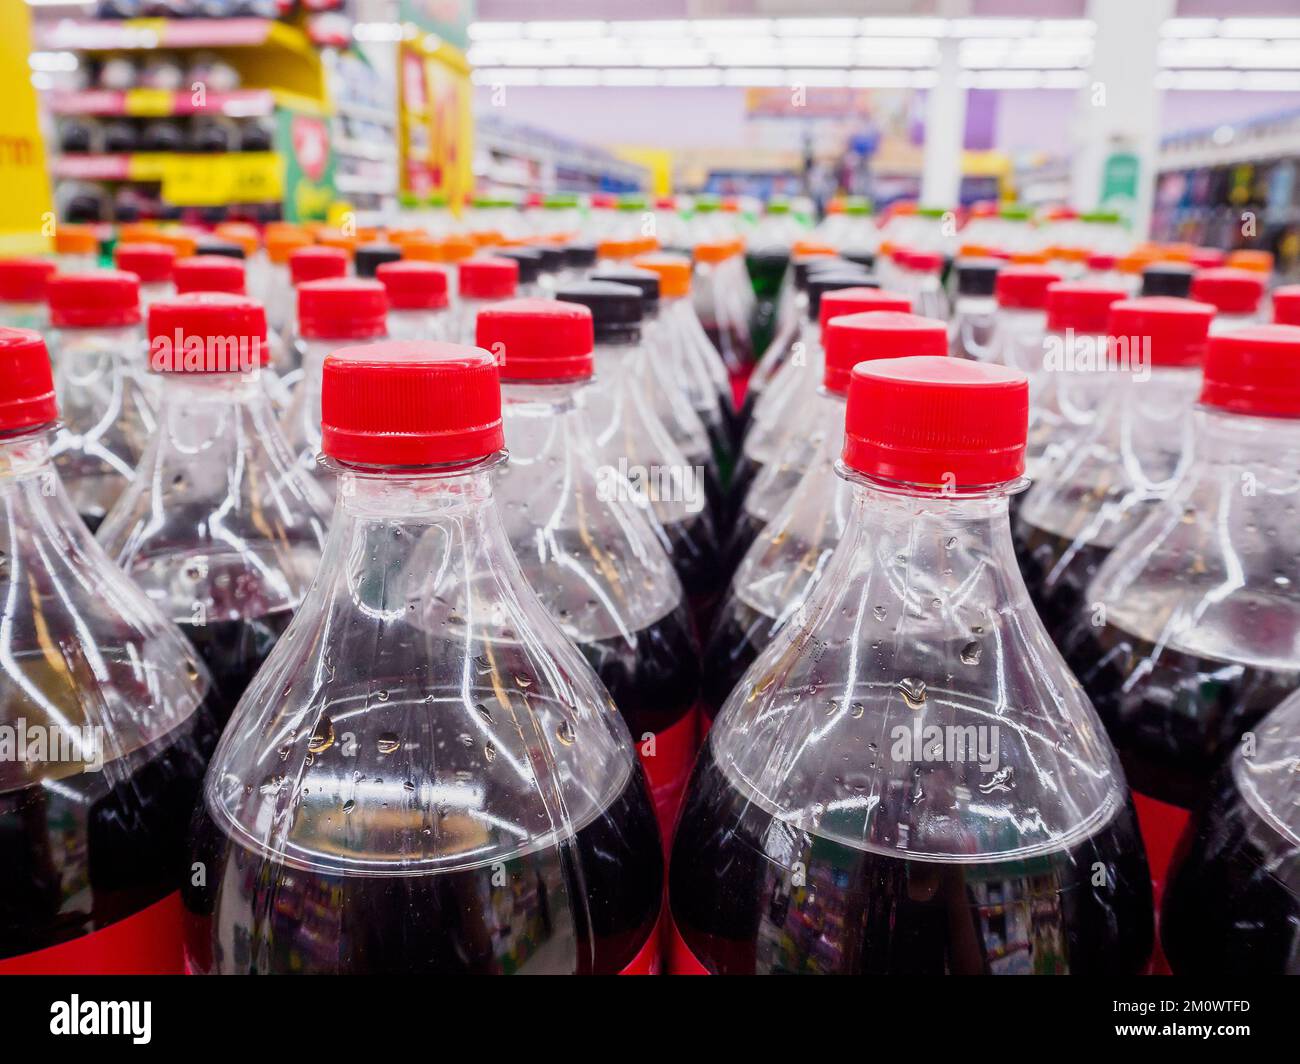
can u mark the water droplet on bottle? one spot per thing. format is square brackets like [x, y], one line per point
[565, 733]
[484, 712]
[389, 743]
[970, 653]
[489, 753]
[466, 740]
[913, 691]
[879, 613]
[482, 664]
[524, 682]
[856, 710]
[382, 696]
[349, 805]
[322, 736]
[952, 542]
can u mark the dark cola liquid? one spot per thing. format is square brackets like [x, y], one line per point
[692, 544]
[1057, 572]
[87, 850]
[738, 638]
[654, 678]
[1232, 906]
[1176, 725]
[233, 652]
[733, 344]
[739, 910]
[261, 914]
[744, 533]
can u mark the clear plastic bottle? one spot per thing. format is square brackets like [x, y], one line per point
[1236, 295]
[1190, 631]
[153, 264]
[417, 300]
[369, 257]
[529, 261]
[720, 311]
[220, 528]
[1233, 902]
[592, 556]
[636, 451]
[332, 313]
[95, 816]
[909, 779]
[107, 400]
[929, 300]
[1129, 458]
[281, 245]
[975, 310]
[663, 385]
[1065, 392]
[805, 423]
[426, 776]
[314, 263]
[480, 282]
[22, 293]
[693, 360]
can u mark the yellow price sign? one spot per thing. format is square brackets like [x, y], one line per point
[215, 180]
[149, 103]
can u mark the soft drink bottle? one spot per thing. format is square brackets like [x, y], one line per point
[637, 453]
[579, 259]
[1167, 279]
[369, 257]
[592, 556]
[1127, 459]
[909, 779]
[332, 313]
[153, 264]
[1286, 305]
[106, 398]
[663, 385]
[929, 299]
[105, 704]
[1189, 632]
[975, 310]
[1232, 906]
[795, 385]
[693, 359]
[529, 261]
[220, 527]
[787, 555]
[721, 314]
[1068, 392]
[425, 776]
[480, 282]
[807, 424]
[281, 245]
[22, 293]
[1236, 296]
[417, 300]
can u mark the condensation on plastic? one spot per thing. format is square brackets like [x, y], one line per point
[723, 307]
[805, 436]
[108, 405]
[422, 716]
[973, 328]
[792, 388]
[220, 524]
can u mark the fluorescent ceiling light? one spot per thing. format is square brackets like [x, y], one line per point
[816, 27]
[990, 27]
[706, 76]
[493, 31]
[625, 76]
[570, 77]
[904, 27]
[1268, 28]
[821, 79]
[568, 28]
[506, 76]
[1190, 27]
[750, 76]
[732, 27]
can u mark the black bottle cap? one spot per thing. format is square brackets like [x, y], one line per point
[821, 283]
[860, 257]
[977, 277]
[644, 281]
[529, 259]
[1167, 279]
[369, 257]
[219, 247]
[615, 308]
[580, 256]
[552, 259]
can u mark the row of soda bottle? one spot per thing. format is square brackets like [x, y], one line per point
[426, 776]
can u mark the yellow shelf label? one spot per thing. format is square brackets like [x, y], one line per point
[213, 180]
[149, 103]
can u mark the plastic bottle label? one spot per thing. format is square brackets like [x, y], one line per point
[1161, 825]
[648, 960]
[668, 765]
[681, 961]
[145, 943]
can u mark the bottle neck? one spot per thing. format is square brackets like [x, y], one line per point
[25, 455]
[1237, 444]
[183, 390]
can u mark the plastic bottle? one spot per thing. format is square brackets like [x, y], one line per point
[1235, 294]
[480, 282]
[417, 300]
[106, 399]
[425, 777]
[1189, 631]
[22, 293]
[592, 557]
[111, 699]
[909, 779]
[332, 313]
[975, 310]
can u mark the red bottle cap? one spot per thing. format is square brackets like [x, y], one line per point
[342, 309]
[488, 278]
[1255, 370]
[840, 301]
[1100, 261]
[1229, 290]
[152, 263]
[1080, 306]
[1176, 329]
[413, 285]
[1286, 305]
[316, 263]
[946, 423]
[209, 273]
[26, 383]
[853, 338]
[1206, 258]
[207, 332]
[410, 403]
[103, 299]
[925, 261]
[24, 280]
[538, 339]
[1024, 287]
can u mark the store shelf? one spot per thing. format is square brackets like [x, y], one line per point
[1270, 137]
[156, 103]
[188, 179]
